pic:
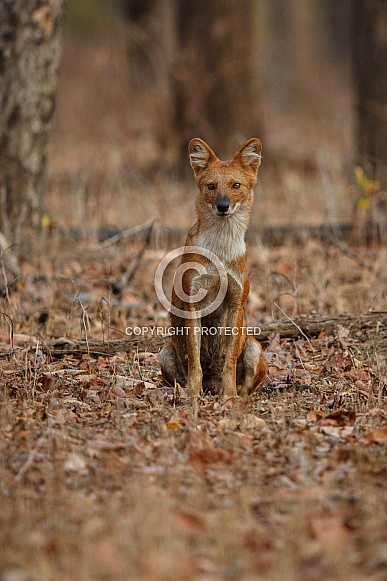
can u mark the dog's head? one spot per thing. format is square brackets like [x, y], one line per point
[226, 187]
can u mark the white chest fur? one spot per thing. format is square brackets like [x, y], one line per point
[225, 238]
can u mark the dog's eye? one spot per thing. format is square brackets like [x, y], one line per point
[211, 186]
[236, 186]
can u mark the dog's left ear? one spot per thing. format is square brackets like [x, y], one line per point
[200, 155]
[249, 155]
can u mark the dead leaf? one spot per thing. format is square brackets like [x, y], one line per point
[87, 380]
[338, 418]
[46, 383]
[276, 360]
[126, 382]
[228, 424]
[213, 457]
[275, 343]
[174, 425]
[378, 436]
[118, 391]
[102, 362]
[363, 389]
[339, 433]
[17, 339]
[376, 412]
[186, 523]
[253, 422]
[344, 337]
[314, 415]
[328, 526]
[142, 355]
[340, 362]
[355, 374]
[75, 463]
[93, 395]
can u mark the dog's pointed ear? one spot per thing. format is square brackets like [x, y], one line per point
[249, 155]
[200, 154]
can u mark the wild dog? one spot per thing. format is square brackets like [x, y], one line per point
[229, 362]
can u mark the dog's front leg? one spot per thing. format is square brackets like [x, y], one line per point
[195, 373]
[234, 324]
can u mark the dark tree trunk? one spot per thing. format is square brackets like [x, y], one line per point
[338, 19]
[30, 34]
[152, 49]
[370, 71]
[213, 77]
[192, 74]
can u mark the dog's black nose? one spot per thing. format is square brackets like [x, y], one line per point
[222, 205]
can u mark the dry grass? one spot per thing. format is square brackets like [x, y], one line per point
[105, 474]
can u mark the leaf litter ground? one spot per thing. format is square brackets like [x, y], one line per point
[106, 474]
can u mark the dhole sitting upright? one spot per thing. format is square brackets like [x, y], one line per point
[227, 361]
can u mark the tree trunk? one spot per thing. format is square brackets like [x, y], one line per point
[30, 35]
[213, 77]
[152, 49]
[370, 71]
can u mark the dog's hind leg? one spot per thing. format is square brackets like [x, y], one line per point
[171, 368]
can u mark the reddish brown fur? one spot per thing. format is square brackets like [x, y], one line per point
[230, 364]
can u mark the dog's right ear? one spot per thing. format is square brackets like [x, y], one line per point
[200, 155]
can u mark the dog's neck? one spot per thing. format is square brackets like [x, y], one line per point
[224, 236]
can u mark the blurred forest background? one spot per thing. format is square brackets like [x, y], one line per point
[139, 78]
[107, 473]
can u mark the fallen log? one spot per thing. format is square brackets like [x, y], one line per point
[372, 325]
[312, 326]
[349, 233]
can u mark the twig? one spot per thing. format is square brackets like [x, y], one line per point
[6, 230]
[293, 294]
[5, 226]
[327, 185]
[342, 246]
[10, 324]
[3, 270]
[85, 320]
[12, 261]
[34, 451]
[19, 224]
[374, 323]
[128, 275]
[295, 324]
[124, 234]
[108, 326]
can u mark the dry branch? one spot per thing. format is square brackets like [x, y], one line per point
[336, 234]
[129, 233]
[373, 321]
[373, 324]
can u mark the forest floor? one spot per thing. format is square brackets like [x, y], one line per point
[105, 473]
